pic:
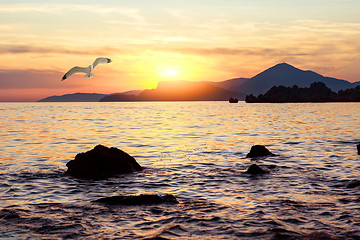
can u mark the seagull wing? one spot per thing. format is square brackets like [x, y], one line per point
[101, 60]
[75, 70]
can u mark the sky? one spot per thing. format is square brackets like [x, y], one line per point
[158, 40]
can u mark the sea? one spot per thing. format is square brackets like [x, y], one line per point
[195, 151]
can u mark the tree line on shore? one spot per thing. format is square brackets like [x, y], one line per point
[317, 92]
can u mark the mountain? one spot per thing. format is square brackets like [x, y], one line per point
[179, 91]
[75, 97]
[231, 84]
[284, 74]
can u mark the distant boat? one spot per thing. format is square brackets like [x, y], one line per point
[233, 100]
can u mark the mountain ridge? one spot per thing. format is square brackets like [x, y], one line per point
[74, 97]
[178, 91]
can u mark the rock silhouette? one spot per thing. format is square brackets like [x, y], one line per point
[143, 199]
[358, 148]
[258, 151]
[255, 169]
[233, 100]
[102, 162]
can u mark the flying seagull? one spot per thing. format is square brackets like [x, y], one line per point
[87, 70]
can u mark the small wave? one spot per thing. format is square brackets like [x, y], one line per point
[42, 174]
[292, 143]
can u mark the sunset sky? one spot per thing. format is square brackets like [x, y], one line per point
[152, 41]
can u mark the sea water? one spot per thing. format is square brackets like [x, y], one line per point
[193, 150]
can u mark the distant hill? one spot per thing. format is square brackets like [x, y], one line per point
[131, 93]
[284, 74]
[86, 97]
[231, 84]
[317, 92]
[75, 97]
[179, 91]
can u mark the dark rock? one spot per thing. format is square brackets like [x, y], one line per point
[233, 100]
[258, 151]
[8, 214]
[143, 199]
[255, 169]
[358, 148]
[319, 236]
[102, 162]
[353, 184]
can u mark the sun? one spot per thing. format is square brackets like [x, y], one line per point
[168, 72]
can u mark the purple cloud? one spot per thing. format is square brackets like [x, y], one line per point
[31, 79]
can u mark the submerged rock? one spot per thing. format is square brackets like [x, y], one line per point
[102, 162]
[353, 184]
[143, 199]
[280, 233]
[255, 169]
[6, 214]
[258, 151]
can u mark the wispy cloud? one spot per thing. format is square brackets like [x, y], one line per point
[327, 26]
[238, 51]
[23, 49]
[21, 8]
[180, 15]
[131, 13]
[6, 27]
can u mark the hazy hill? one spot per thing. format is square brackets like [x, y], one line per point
[286, 75]
[131, 92]
[85, 97]
[231, 84]
[185, 91]
[179, 91]
[75, 97]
